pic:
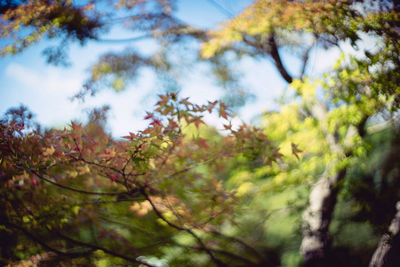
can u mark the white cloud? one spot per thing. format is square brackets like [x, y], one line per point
[48, 80]
[45, 92]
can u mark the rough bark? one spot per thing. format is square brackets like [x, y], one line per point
[317, 218]
[323, 197]
[387, 252]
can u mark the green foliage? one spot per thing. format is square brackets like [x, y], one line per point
[181, 193]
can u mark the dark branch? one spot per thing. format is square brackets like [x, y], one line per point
[361, 126]
[74, 189]
[277, 59]
[270, 48]
[96, 247]
[239, 241]
[180, 228]
[43, 244]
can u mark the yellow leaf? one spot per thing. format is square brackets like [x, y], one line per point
[76, 210]
[244, 189]
[49, 151]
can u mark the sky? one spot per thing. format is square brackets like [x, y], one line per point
[46, 90]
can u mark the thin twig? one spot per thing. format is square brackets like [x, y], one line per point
[75, 189]
[218, 262]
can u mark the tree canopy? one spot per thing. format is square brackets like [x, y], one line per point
[314, 184]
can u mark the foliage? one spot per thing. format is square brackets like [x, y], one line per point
[77, 191]
[181, 193]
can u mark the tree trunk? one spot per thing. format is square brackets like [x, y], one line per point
[317, 218]
[388, 251]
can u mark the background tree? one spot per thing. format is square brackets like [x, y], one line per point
[336, 111]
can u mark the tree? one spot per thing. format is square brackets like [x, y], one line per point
[329, 22]
[334, 111]
[69, 197]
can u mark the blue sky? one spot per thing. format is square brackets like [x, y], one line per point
[45, 90]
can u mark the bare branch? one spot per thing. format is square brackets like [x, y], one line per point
[277, 59]
[306, 57]
[271, 49]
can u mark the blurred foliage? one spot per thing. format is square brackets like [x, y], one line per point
[181, 193]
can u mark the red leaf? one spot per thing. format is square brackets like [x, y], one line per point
[156, 122]
[202, 143]
[211, 105]
[148, 116]
[228, 126]
[223, 111]
[113, 177]
[76, 127]
[131, 136]
[197, 121]
[164, 100]
[20, 126]
[185, 102]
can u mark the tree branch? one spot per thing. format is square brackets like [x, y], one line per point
[74, 189]
[218, 262]
[105, 250]
[273, 51]
[239, 241]
[386, 254]
[306, 57]
[43, 244]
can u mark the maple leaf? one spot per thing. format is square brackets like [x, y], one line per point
[211, 105]
[228, 126]
[276, 155]
[76, 127]
[197, 121]
[147, 130]
[202, 143]
[131, 136]
[113, 177]
[222, 112]
[186, 102]
[164, 100]
[148, 116]
[156, 122]
[197, 108]
[20, 126]
[296, 150]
